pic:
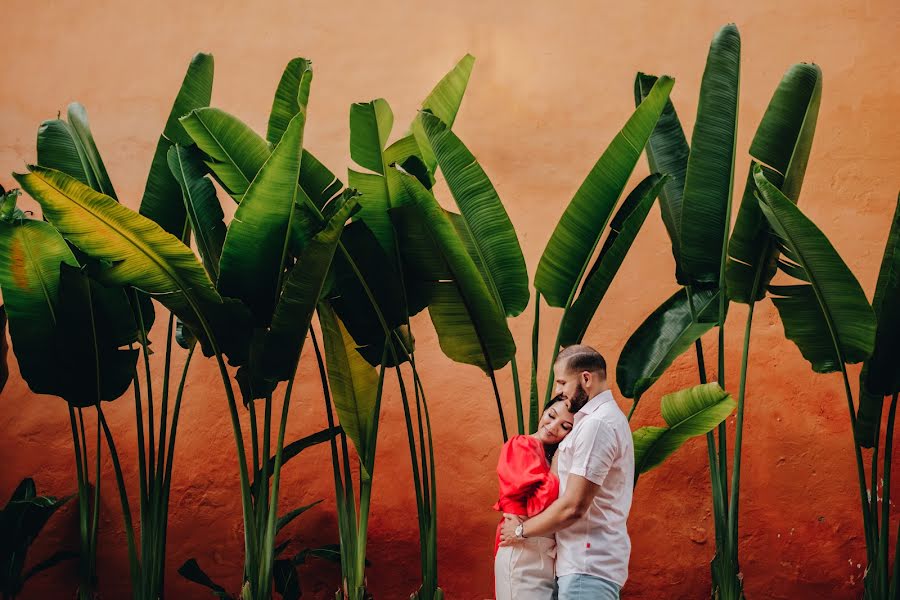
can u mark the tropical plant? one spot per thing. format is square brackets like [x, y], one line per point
[21, 521]
[880, 377]
[712, 266]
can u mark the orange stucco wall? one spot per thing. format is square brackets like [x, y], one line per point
[551, 86]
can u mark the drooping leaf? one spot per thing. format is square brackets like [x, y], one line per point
[93, 368]
[483, 215]
[191, 571]
[355, 386]
[143, 255]
[296, 447]
[443, 101]
[880, 375]
[466, 315]
[664, 336]
[624, 228]
[291, 97]
[569, 250]
[201, 206]
[160, 202]
[257, 242]
[688, 413]
[286, 518]
[709, 178]
[782, 145]
[30, 254]
[667, 153]
[826, 314]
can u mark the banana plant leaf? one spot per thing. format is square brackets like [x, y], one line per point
[688, 413]
[69, 147]
[94, 367]
[143, 255]
[21, 521]
[4, 349]
[350, 300]
[291, 97]
[826, 314]
[708, 181]
[443, 102]
[235, 154]
[370, 126]
[30, 254]
[782, 142]
[191, 571]
[160, 201]
[664, 336]
[667, 153]
[470, 326]
[578, 232]
[201, 205]
[355, 387]
[483, 216]
[880, 375]
[624, 228]
[263, 230]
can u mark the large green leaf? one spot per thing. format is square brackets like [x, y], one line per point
[667, 153]
[880, 376]
[443, 101]
[782, 143]
[259, 238]
[302, 291]
[143, 255]
[370, 126]
[578, 232]
[688, 413]
[201, 205]
[827, 314]
[291, 97]
[161, 193]
[94, 368]
[623, 229]
[355, 386]
[236, 153]
[709, 177]
[30, 254]
[495, 240]
[84, 139]
[664, 336]
[470, 326]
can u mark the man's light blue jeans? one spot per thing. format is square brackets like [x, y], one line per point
[585, 587]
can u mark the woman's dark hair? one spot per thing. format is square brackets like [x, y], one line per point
[550, 449]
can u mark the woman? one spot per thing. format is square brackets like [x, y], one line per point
[525, 571]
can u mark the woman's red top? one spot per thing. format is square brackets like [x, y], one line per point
[527, 486]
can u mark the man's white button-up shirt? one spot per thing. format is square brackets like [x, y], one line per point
[601, 450]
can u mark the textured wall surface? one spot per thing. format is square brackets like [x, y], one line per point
[551, 86]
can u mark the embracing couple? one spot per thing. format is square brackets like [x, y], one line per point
[565, 537]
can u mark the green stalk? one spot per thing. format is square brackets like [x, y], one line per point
[886, 498]
[493, 377]
[254, 446]
[533, 412]
[138, 408]
[95, 518]
[520, 417]
[860, 470]
[134, 564]
[85, 560]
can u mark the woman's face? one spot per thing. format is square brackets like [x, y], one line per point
[555, 423]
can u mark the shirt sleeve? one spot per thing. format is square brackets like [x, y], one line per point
[594, 451]
[521, 471]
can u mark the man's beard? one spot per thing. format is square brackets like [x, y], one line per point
[578, 399]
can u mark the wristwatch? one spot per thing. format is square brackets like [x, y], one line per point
[520, 531]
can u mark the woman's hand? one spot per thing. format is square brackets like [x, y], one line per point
[508, 529]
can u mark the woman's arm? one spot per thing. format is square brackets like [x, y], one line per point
[567, 510]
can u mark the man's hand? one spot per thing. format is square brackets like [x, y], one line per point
[508, 530]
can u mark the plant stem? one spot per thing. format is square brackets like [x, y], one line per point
[533, 411]
[860, 470]
[886, 498]
[739, 433]
[493, 377]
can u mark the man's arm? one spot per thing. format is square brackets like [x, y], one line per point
[567, 510]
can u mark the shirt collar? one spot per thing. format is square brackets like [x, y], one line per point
[594, 403]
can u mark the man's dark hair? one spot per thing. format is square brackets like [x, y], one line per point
[581, 357]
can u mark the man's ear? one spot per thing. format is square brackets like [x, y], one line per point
[586, 378]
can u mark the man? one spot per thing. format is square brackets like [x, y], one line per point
[596, 473]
